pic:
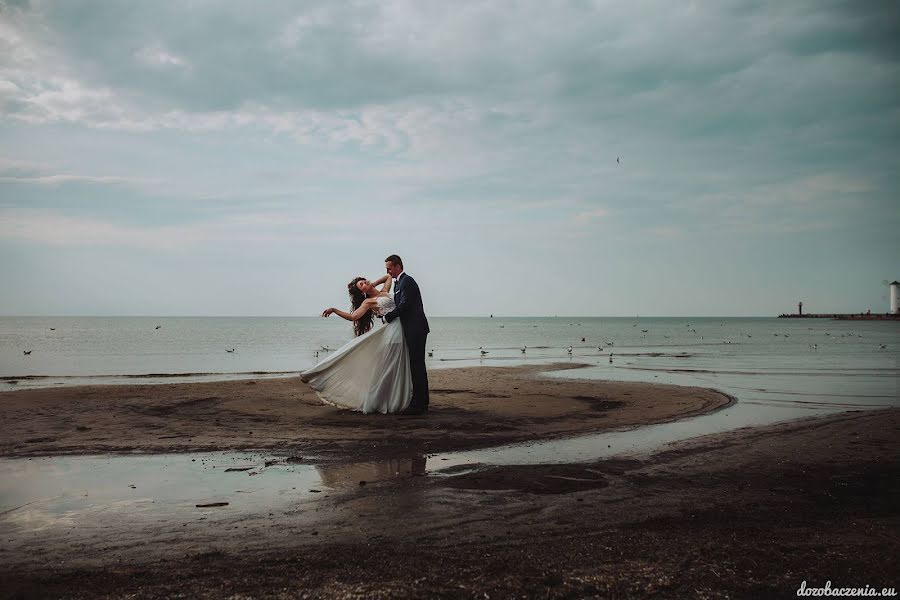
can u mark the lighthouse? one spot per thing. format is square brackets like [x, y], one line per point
[895, 298]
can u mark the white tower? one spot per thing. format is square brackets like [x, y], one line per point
[895, 298]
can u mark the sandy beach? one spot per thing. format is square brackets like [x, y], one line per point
[470, 408]
[750, 513]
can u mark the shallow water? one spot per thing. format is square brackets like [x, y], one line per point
[777, 369]
[60, 492]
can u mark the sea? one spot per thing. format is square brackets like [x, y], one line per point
[796, 363]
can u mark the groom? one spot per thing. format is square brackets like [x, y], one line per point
[415, 330]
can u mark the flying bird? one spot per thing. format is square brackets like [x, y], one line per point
[26, 352]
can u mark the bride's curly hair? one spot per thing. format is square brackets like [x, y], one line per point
[356, 299]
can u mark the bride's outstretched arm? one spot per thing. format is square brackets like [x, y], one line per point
[354, 316]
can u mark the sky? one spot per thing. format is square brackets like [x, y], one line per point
[200, 157]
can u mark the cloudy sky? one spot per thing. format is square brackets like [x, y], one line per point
[199, 157]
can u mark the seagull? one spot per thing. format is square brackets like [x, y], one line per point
[600, 348]
[26, 352]
[569, 349]
[617, 160]
[431, 353]
[482, 350]
[582, 339]
[610, 358]
[326, 349]
[880, 347]
[54, 329]
[644, 330]
[524, 348]
[159, 326]
[230, 351]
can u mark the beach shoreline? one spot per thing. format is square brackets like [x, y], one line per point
[748, 513]
[474, 407]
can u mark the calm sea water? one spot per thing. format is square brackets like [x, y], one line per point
[801, 364]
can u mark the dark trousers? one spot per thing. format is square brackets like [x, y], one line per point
[416, 345]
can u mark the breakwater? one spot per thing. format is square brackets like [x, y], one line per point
[845, 316]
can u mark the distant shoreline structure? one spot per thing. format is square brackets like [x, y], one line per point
[845, 316]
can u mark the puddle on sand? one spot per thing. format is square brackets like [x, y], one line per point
[42, 493]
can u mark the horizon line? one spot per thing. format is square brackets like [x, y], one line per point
[488, 316]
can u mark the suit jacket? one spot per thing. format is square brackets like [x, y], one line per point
[409, 308]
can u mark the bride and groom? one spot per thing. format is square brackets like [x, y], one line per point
[381, 369]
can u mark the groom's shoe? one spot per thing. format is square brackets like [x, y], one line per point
[412, 411]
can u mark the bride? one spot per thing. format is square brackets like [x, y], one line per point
[370, 373]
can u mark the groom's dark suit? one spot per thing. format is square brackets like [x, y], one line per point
[415, 330]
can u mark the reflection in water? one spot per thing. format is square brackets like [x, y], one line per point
[354, 474]
[86, 491]
[39, 493]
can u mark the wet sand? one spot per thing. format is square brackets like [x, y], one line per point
[746, 514]
[470, 408]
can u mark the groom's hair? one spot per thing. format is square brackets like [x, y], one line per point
[394, 259]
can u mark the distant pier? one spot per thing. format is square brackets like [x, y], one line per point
[845, 316]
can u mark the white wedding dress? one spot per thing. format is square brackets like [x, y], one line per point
[369, 373]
